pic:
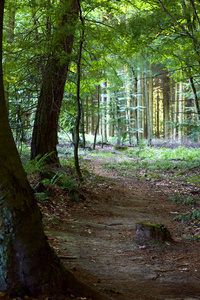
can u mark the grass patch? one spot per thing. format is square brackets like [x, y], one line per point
[175, 163]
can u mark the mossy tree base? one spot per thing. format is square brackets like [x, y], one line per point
[152, 232]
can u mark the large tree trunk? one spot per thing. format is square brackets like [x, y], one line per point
[28, 265]
[26, 259]
[44, 139]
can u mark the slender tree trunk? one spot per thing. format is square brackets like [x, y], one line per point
[78, 103]
[87, 116]
[151, 112]
[118, 116]
[104, 114]
[10, 39]
[98, 119]
[44, 139]
[176, 111]
[135, 89]
[196, 100]
[139, 110]
[144, 120]
[166, 94]
[147, 111]
[171, 106]
[82, 125]
[158, 114]
[180, 112]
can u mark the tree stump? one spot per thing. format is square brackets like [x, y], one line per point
[120, 147]
[152, 232]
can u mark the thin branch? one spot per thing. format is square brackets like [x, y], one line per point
[177, 23]
[195, 12]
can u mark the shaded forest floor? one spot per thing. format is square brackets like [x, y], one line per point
[94, 236]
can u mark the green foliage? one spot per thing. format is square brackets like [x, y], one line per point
[51, 178]
[193, 215]
[43, 196]
[176, 198]
[36, 164]
[52, 181]
[179, 199]
[154, 161]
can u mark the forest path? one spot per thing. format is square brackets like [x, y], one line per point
[96, 241]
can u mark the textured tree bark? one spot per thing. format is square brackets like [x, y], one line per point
[44, 138]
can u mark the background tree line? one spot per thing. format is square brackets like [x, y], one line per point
[139, 70]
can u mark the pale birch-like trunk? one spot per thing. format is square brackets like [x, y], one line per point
[180, 111]
[139, 109]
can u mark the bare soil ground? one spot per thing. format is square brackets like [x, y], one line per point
[95, 238]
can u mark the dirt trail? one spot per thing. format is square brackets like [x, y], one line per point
[96, 242]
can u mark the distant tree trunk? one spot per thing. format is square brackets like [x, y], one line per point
[87, 116]
[144, 119]
[107, 112]
[196, 100]
[151, 111]
[176, 111]
[158, 114]
[147, 111]
[118, 115]
[171, 118]
[180, 112]
[82, 125]
[98, 118]
[166, 95]
[139, 110]
[44, 139]
[104, 113]
[135, 89]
